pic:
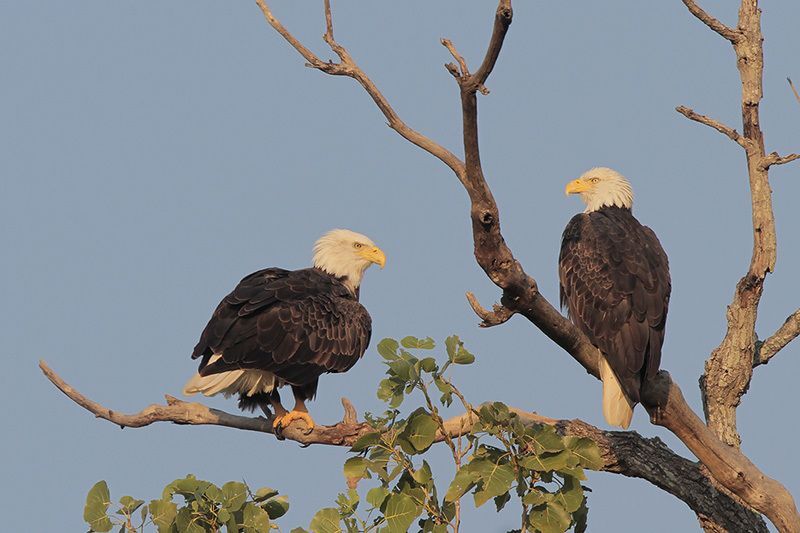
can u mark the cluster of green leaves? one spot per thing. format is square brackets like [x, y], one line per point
[497, 455]
[205, 508]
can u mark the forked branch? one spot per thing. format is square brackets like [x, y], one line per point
[729, 369]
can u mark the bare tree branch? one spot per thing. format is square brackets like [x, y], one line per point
[728, 370]
[626, 453]
[730, 34]
[785, 334]
[775, 159]
[796, 95]
[710, 122]
[349, 68]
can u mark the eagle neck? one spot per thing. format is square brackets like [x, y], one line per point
[354, 288]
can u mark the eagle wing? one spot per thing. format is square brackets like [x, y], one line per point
[614, 278]
[295, 324]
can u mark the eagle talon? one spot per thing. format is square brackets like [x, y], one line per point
[288, 418]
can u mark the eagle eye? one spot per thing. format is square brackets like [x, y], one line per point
[594, 180]
[357, 245]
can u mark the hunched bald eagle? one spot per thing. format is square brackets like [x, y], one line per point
[282, 327]
[615, 284]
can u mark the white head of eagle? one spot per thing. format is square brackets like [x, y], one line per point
[347, 254]
[602, 187]
[615, 284]
[288, 327]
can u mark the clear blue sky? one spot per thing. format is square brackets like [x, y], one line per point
[153, 153]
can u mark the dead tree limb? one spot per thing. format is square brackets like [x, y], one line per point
[777, 341]
[729, 368]
[623, 452]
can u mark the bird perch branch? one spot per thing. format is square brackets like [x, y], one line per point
[626, 453]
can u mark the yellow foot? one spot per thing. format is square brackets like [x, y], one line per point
[283, 420]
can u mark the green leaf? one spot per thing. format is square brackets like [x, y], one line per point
[186, 522]
[264, 493]
[419, 344]
[255, 519]
[326, 521]
[463, 357]
[463, 481]
[456, 352]
[501, 501]
[401, 369]
[420, 431]
[276, 507]
[537, 497]
[400, 513]
[348, 503]
[376, 496]
[95, 512]
[428, 364]
[234, 495]
[387, 349]
[545, 439]
[365, 441]
[355, 468]
[570, 495]
[495, 479]
[586, 450]
[423, 474]
[452, 344]
[224, 515]
[550, 518]
[129, 504]
[580, 517]
[547, 462]
[185, 486]
[163, 513]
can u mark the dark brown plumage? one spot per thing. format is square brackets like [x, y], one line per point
[282, 327]
[296, 324]
[615, 283]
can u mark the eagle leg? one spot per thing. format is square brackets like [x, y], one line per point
[299, 411]
[279, 412]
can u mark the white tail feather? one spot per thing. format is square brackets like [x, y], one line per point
[247, 382]
[617, 407]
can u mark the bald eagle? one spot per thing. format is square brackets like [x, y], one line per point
[615, 284]
[282, 327]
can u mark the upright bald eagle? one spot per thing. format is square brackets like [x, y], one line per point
[615, 285]
[282, 327]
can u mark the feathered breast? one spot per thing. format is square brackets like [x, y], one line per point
[615, 284]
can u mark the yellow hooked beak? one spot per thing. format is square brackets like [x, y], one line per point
[577, 186]
[374, 255]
